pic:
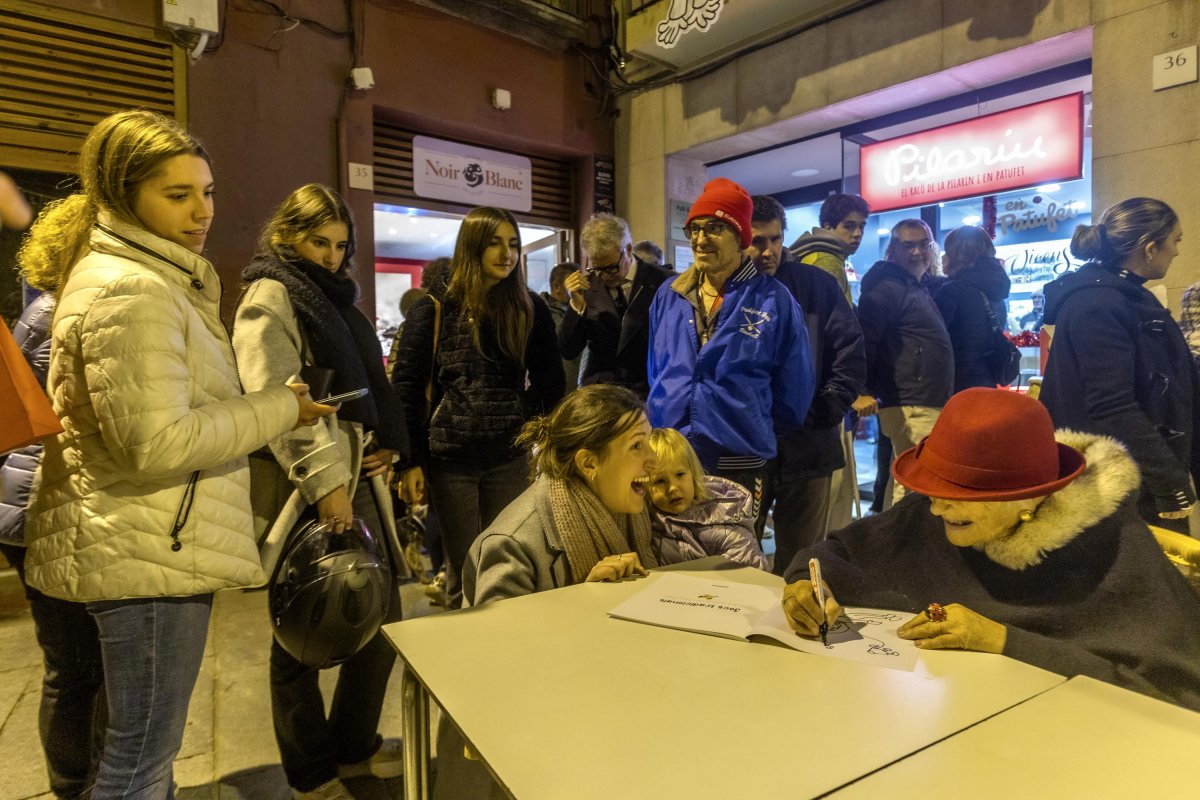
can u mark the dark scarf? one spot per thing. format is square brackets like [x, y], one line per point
[340, 338]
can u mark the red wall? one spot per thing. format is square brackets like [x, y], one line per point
[271, 116]
[270, 104]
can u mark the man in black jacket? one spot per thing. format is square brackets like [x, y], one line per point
[610, 307]
[910, 361]
[809, 455]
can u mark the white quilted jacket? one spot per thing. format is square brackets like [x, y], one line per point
[156, 430]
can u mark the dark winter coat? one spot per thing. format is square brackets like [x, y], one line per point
[1083, 588]
[481, 399]
[616, 345]
[1119, 366]
[32, 333]
[960, 299]
[910, 361]
[840, 366]
[570, 366]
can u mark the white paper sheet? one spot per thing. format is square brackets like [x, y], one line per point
[865, 635]
[740, 611]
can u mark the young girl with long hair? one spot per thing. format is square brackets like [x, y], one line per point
[143, 510]
[489, 355]
[298, 311]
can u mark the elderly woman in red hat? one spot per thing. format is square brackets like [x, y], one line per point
[1022, 541]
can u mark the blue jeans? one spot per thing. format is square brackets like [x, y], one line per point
[72, 717]
[152, 650]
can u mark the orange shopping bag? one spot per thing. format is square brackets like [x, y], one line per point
[25, 412]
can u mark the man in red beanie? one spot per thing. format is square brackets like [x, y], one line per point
[729, 356]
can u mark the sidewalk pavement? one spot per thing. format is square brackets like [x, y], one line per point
[229, 750]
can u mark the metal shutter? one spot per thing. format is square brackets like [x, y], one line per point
[553, 181]
[61, 72]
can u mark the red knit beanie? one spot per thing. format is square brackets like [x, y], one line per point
[728, 202]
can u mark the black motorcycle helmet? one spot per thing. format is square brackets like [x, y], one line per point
[330, 593]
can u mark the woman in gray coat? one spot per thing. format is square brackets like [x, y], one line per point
[584, 518]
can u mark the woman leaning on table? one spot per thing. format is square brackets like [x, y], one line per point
[1022, 541]
[143, 510]
[584, 518]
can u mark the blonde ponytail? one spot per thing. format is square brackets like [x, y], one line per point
[57, 240]
[118, 154]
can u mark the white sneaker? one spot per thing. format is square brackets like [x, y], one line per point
[436, 590]
[334, 790]
[388, 762]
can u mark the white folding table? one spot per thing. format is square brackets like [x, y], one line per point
[550, 691]
[1082, 739]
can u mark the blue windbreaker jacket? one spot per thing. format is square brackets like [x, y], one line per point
[754, 375]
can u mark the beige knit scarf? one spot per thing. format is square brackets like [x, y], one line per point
[590, 532]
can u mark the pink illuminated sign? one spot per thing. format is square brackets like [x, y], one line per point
[1026, 146]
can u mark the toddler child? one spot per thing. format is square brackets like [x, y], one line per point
[697, 515]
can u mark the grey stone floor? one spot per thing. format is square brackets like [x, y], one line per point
[229, 750]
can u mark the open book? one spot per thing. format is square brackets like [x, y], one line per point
[743, 610]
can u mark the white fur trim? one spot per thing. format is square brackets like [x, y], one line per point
[1109, 477]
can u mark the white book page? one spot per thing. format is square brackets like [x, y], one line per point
[697, 604]
[865, 635]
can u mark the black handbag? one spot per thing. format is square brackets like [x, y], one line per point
[1003, 358]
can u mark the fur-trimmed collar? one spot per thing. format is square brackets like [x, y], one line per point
[1110, 476]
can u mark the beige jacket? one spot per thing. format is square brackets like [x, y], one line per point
[142, 374]
[307, 463]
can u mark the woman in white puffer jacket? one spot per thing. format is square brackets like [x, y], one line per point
[143, 509]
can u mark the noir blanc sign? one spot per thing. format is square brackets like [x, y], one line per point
[1026, 146]
[471, 175]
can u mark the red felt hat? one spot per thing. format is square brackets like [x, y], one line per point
[989, 444]
[728, 202]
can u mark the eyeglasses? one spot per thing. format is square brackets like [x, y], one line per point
[711, 229]
[611, 269]
[924, 244]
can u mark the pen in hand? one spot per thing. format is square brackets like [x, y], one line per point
[814, 575]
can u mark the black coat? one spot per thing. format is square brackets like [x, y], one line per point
[616, 346]
[1119, 366]
[481, 398]
[960, 299]
[1107, 604]
[909, 358]
[839, 364]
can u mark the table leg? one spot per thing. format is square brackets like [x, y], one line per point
[416, 737]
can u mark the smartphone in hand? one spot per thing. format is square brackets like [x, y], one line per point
[345, 397]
